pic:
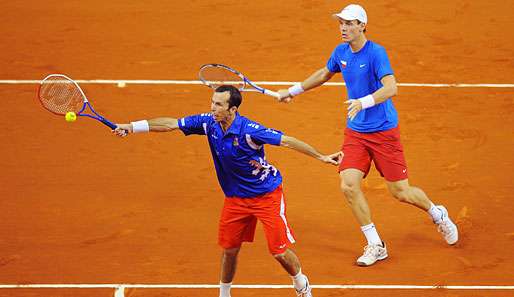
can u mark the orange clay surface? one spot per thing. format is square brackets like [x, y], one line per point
[81, 206]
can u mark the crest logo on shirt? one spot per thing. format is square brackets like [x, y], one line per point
[235, 142]
[343, 64]
[262, 167]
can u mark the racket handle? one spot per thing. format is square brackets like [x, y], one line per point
[108, 123]
[271, 93]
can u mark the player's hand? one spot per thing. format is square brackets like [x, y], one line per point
[354, 106]
[284, 96]
[122, 130]
[334, 159]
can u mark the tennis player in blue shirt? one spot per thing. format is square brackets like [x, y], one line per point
[372, 132]
[252, 186]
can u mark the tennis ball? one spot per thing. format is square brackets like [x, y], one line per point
[70, 116]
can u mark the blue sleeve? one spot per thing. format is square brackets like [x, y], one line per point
[262, 135]
[333, 62]
[381, 63]
[195, 124]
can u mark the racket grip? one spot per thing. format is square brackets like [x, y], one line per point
[108, 123]
[271, 93]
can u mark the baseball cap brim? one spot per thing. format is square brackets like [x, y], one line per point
[346, 15]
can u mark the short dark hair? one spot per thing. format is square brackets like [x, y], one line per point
[235, 95]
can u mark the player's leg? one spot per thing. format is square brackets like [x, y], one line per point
[270, 209]
[352, 170]
[389, 158]
[291, 264]
[237, 225]
[375, 250]
[406, 193]
[228, 270]
[351, 180]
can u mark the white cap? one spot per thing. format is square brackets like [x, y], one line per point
[353, 12]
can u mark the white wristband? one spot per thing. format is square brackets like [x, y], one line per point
[367, 101]
[296, 90]
[140, 126]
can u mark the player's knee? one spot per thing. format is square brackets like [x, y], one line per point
[402, 195]
[350, 189]
[231, 252]
[280, 257]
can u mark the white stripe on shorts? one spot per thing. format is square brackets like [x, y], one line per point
[283, 216]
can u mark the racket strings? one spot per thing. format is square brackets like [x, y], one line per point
[214, 77]
[60, 95]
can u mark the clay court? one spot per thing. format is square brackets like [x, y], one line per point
[80, 206]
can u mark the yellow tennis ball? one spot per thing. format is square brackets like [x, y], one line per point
[70, 116]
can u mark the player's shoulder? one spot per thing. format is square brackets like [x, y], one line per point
[375, 47]
[342, 47]
[249, 124]
[251, 127]
[205, 117]
[201, 117]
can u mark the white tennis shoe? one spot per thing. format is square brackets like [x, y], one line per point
[306, 291]
[446, 227]
[372, 254]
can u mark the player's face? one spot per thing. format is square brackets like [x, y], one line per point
[350, 30]
[219, 107]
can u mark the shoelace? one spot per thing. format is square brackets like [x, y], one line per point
[444, 227]
[443, 216]
[303, 291]
[371, 250]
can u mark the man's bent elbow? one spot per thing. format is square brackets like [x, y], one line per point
[286, 140]
[394, 90]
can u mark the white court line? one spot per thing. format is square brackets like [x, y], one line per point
[264, 83]
[208, 286]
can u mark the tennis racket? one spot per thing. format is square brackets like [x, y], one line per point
[215, 75]
[60, 94]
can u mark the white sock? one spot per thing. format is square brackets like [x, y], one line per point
[435, 213]
[371, 234]
[299, 281]
[225, 289]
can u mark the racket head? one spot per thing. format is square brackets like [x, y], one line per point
[60, 94]
[215, 75]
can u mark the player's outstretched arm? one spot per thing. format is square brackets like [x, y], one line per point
[153, 125]
[315, 80]
[305, 148]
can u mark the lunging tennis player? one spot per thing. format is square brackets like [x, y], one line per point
[252, 186]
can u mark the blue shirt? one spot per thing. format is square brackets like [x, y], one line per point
[362, 72]
[238, 153]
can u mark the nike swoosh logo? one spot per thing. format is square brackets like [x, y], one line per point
[362, 65]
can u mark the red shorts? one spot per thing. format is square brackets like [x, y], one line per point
[383, 147]
[239, 219]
